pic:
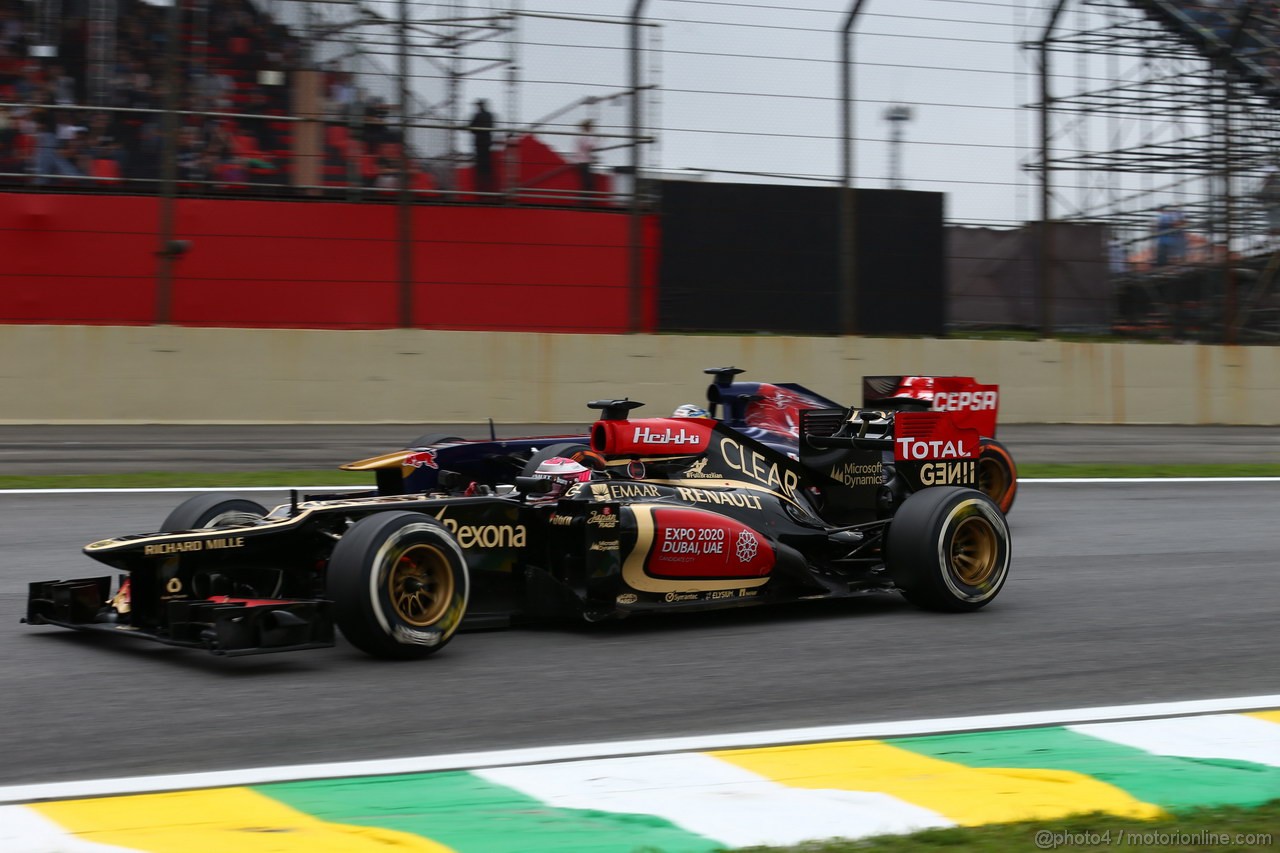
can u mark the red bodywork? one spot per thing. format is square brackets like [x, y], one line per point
[652, 436]
[691, 543]
[920, 436]
[973, 405]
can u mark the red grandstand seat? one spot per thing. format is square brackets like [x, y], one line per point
[422, 183]
[336, 135]
[244, 145]
[106, 170]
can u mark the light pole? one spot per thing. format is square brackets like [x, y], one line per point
[897, 115]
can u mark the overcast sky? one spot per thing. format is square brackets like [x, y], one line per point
[751, 86]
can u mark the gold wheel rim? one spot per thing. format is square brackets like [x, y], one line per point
[421, 585]
[992, 480]
[974, 551]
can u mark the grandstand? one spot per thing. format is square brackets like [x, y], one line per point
[1161, 123]
[1158, 158]
[275, 98]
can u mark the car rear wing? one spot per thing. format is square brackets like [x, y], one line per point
[976, 405]
[873, 459]
[837, 429]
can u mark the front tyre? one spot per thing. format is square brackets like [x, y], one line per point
[212, 510]
[997, 475]
[949, 549]
[399, 585]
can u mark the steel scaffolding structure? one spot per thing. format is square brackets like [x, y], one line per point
[1164, 132]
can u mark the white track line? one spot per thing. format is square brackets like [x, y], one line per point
[174, 490]
[1039, 481]
[617, 749]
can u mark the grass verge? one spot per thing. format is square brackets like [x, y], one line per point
[1226, 828]
[334, 477]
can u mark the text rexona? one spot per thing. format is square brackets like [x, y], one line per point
[486, 535]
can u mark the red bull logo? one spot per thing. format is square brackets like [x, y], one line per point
[421, 459]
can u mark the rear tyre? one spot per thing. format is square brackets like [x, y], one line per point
[399, 585]
[212, 510]
[948, 549]
[575, 450]
[997, 475]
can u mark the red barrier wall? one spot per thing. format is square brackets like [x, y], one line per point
[91, 259]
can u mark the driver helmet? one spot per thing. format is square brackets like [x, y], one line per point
[690, 410]
[564, 472]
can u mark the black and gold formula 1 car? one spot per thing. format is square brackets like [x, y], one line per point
[677, 514]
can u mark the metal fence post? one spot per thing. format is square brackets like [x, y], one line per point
[404, 212]
[168, 251]
[1046, 202]
[848, 298]
[636, 230]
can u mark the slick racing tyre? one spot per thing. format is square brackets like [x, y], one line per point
[433, 438]
[948, 549]
[212, 510]
[399, 585]
[575, 450]
[997, 475]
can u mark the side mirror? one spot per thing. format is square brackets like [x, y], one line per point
[534, 485]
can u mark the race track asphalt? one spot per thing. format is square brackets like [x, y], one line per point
[1118, 594]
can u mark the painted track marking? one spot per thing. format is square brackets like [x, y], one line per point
[619, 749]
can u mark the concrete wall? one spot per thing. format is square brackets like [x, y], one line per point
[148, 374]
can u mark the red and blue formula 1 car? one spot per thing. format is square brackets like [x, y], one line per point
[770, 412]
[673, 514]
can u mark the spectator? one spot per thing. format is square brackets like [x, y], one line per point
[221, 141]
[69, 127]
[63, 86]
[585, 151]
[32, 88]
[214, 90]
[481, 127]
[11, 35]
[1269, 195]
[1171, 236]
[377, 127]
[342, 96]
[142, 164]
[388, 177]
[76, 151]
[191, 160]
[8, 135]
[261, 129]
[50, 154]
